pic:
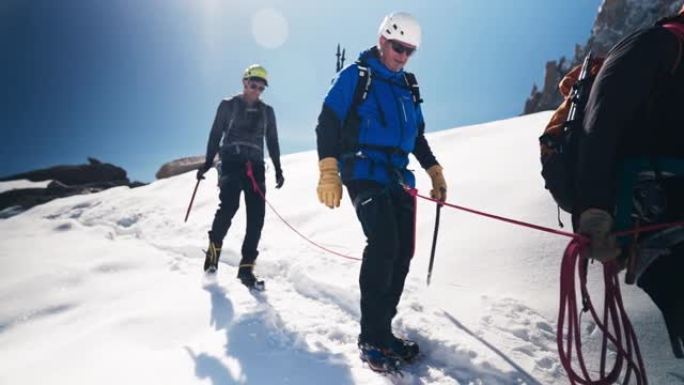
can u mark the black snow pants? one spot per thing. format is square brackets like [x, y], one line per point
[232, 181]
[664, 283]
[387, 215]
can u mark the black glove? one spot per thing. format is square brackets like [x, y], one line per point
[280, 179]
[202, 170]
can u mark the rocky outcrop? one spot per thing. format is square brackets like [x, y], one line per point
[615, 19]
[66, 180]
[180, 166]
[93, 172]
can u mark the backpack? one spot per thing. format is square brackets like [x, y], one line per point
[363, 85]
[236, 147]
[558, 142]
[350, 133]
[364, 82]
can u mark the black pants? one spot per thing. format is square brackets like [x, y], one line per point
[233, 181]
[387, 215]
[664, 283]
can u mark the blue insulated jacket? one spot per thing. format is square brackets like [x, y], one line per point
[390, 125]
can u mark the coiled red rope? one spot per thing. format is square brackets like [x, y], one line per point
[621, 334]
[615, 325]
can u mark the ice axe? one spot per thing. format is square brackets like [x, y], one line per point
[187, 213]
[434, 243]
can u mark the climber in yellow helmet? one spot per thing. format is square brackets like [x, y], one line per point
[243, 121]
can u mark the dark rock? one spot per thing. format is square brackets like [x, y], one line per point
[26, 198]
[615, 20]
[93, 172]
[67, 180]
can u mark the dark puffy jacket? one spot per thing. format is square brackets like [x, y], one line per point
[634, 110]
[389, 127]
[243, 129]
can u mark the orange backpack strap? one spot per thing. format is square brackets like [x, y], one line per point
[569, 80]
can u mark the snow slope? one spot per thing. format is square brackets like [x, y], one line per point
[107, 288]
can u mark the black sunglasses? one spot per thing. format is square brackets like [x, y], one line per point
[255, 86]
[400, 48]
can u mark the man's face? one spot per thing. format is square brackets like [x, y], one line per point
[253, 89]
[394, 54]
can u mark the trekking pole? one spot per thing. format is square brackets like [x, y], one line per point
[340, 58]
[187, 213]
[337, 63]
[434, 243]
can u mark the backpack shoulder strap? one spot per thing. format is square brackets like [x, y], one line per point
[677, 29]
[233, 111]
[264, 109]
[264, 116]
[362, 85]
[349, 135]
[412, 84]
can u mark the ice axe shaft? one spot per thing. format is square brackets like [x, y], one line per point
[187, 213]
[434, 243]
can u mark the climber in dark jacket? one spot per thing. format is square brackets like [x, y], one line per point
[243, 122]
[630, 168]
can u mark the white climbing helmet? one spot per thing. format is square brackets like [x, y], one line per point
[401, 26]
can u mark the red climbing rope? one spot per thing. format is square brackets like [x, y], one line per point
[497, 217]
[615, 325]
[255, 187]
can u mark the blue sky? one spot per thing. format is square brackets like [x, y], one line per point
[137, 83]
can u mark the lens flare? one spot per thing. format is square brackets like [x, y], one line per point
[269, 28]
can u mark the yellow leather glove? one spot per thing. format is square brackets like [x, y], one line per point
[329, 185]
[439, 186]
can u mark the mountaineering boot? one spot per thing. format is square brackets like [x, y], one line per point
[246, 276]
[211, 258]
[378, 359]
[406, 350]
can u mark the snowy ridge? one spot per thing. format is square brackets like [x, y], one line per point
[22, 184]
[107, 288]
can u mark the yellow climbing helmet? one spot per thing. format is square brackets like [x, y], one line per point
[256, 71]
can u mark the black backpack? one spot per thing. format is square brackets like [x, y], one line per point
[558, 143]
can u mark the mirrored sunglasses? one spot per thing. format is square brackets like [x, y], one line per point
[400, 48]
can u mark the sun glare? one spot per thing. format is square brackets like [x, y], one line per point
[270, 28]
